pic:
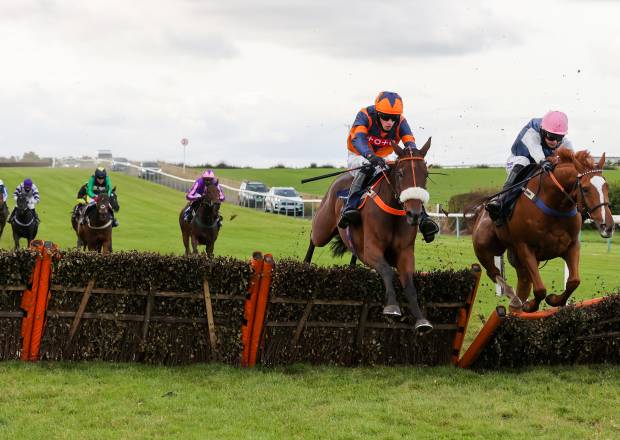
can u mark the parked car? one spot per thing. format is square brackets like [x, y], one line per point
[284, 200]
[252, 193]
[120, 164]
[149, 170]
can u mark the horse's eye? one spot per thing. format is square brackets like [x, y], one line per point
[586, 190]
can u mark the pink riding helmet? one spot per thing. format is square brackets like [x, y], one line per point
[555, 122]
[209, 174]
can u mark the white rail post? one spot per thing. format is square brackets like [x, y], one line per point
[499, 263]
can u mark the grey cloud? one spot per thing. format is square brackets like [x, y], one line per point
[370, 29]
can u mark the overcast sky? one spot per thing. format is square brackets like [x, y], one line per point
[267, 82]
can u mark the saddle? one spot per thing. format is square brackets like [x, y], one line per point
[510, 198]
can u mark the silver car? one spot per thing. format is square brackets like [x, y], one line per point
[284, 200]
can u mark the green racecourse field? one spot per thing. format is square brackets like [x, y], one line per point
[98, 400]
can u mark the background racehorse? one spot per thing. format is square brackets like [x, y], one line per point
[545, 224]
[23, 223]
[76, 213]
[4, 213]
[95, 232]
[384, 239]
[203, 229]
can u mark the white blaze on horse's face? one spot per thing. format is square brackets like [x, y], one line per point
[414, 193]
[605, 222]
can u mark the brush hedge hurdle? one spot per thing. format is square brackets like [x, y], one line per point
[146, 307]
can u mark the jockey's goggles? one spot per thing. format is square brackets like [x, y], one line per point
[388, 117]
[553, 136]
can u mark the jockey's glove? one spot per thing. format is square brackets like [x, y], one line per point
[375, 160]
[547, 166]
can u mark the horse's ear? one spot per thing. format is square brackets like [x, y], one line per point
[114, 189]
[399, 151]
[601, 163]
[426, 146]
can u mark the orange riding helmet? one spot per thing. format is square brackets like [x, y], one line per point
[389, 103]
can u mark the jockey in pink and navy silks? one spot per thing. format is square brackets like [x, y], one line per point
[197, 190]
[370, 140]
[534, 144]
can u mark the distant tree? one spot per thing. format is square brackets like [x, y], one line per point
[313, 165]
[30, 156]
[280, 165]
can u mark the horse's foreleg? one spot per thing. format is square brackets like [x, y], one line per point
[528, 259]
[309, 252]
[572, 261]
[406, 264]
[378, 262]
[209, 248]
[194, 244]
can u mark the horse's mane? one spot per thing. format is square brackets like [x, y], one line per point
[582, 159]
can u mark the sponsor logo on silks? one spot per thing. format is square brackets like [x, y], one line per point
[379, 142]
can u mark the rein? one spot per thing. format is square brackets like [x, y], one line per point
[25, 225]
[213, 225]
[586, 211]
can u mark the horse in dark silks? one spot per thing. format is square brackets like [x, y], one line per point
[4, 213]
[79, 216]
[545, 224]
[386, 236]
[24, 223]
[94, 229]
[204, 226]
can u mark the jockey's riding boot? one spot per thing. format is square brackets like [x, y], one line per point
[187, 214]
[495, 205]
[350, 214]
[114, 221]
[36, 216]
[428, 227]
[219, 221]
[12, 216]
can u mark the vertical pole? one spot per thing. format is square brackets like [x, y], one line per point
[458, 228]
[499, 263]
[565, 274]
[608, 245]
[184, 147]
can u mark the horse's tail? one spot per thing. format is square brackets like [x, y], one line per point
[338, 247]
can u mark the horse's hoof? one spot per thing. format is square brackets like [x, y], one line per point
[423, 326]
[555, 300]
[392, 310]
[530, 306]
[515, 303]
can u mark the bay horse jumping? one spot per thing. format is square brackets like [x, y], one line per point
[95, 230]
[545, 224]
[4, 213]
[204, 226]
[386, 236]
[24, 223]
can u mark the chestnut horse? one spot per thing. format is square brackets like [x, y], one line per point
[4, 213]
[204, 227]
[23, 223]
[95, 231]
[545, 224]
[386, 236]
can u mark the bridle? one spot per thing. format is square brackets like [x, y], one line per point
[411, 158]
[586, 211]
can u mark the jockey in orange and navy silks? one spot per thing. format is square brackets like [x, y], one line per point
[198, 189]
[370, 140]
